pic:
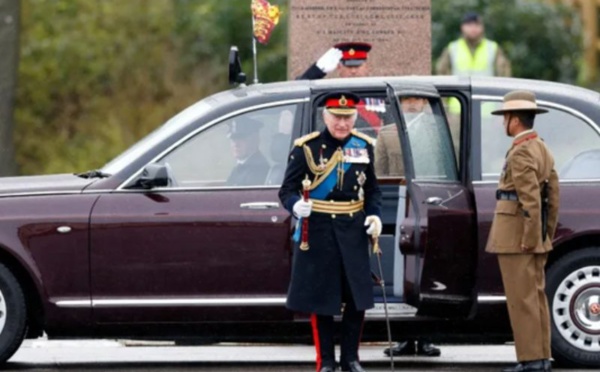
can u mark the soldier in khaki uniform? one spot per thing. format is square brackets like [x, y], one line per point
[524, 223]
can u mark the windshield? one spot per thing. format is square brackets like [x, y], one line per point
[171, 127]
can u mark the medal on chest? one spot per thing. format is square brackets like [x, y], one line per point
[356, 156]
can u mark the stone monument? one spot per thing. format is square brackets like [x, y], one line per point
[399, 30]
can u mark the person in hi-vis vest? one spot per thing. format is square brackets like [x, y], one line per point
[472, 54]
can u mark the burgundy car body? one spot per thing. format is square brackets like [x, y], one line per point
[99, 258]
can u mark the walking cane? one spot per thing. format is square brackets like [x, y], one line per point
[377, 252]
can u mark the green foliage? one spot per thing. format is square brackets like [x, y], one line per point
[95, 76]
[542, 41]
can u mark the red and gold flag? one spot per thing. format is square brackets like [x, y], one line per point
[265, 17]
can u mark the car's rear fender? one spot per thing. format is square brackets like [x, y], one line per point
[569, 243]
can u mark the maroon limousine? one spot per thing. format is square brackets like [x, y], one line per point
[158, 244]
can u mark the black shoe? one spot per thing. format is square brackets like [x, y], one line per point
[542, 365]
[353, 367]
[428, 349]
[402, 348]
[327, 369]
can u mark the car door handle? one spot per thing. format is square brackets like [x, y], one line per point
[434, 200]
[259, 205]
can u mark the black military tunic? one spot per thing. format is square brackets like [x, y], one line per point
[338, 257]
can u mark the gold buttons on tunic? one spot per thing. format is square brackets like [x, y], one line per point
[324, 146]
[333, 216]
[355, 188]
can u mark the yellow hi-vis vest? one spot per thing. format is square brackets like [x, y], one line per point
[480, 63]
[465, 63]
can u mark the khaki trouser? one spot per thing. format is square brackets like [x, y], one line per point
[524, 283]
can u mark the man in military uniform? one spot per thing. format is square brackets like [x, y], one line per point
[521, 235]
[251, 165]
[333, 275]
[350, 59]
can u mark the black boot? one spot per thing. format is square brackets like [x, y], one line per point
[327, 369]
[426, 348]
[542, 365]
[402, 348]
[353, 367]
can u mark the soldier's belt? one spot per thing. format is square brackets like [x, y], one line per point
[506, 195]
[333, 207]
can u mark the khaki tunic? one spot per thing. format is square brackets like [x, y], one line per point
[388, 154]
[528, 164]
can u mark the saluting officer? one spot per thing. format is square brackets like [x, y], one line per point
[333, 276]
[524, 223]
[350, 59]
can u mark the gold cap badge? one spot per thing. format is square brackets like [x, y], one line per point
[343, 101]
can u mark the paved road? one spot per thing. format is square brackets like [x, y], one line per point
[131, 356]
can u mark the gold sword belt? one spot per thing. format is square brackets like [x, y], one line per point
[336, 207]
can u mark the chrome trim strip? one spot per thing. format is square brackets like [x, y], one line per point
[40, 193]
[555, 105]
[562, 182]
[491, 299]
[207, 302]
[164, 302]
[74, 303]
[208, 125]
[210, 188]
[201, 302]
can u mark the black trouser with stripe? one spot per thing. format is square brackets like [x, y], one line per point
[324, 331]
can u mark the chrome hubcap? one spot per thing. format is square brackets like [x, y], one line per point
[576, 308]
[2, 312]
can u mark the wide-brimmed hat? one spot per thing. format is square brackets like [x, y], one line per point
[519, 100]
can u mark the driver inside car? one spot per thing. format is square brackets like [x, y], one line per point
[251, 167]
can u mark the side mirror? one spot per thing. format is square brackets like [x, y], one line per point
[236, 75]
[154, 175]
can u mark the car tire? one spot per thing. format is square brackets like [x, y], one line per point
[13, 314]
[573, 288]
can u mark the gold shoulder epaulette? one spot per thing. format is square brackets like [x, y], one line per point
[302, 140]
[363, 136]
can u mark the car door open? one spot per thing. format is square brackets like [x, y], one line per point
[437, 234]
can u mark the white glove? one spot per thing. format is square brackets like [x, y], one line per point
[302, 208]
[375, 226]
[330, 60]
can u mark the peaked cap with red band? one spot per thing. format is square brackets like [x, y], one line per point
[354, 54]
[341, 103]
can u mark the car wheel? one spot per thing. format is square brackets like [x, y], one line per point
[573, 287]
[13, 314]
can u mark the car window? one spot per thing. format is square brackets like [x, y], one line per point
[171, 127]
[430, 141]
[574, 143]
[247, 150]
[454, 109]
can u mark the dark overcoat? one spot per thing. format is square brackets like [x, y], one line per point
[338, 256]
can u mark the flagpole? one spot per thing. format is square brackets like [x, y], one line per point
[254, 53]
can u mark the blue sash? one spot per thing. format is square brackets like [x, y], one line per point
[320, 192]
